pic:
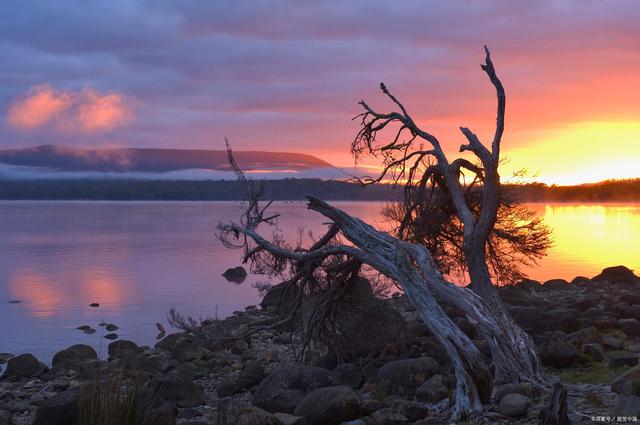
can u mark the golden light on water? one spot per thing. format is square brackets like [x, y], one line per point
[588, 238]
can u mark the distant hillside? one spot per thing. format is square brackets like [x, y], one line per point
[181, 190]
[70, 159]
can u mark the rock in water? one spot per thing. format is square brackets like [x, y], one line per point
[111, 336]
[74, 355]
[111, 327]
[94, 305]
[122, 347]
[24, 366]
[235, 274]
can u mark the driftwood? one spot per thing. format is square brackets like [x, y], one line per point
[555, 412]
[411, 266]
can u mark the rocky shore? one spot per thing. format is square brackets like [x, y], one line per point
[587, 332]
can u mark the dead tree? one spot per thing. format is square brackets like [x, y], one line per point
[411, 266]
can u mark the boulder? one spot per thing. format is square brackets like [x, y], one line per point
[287, 419]
[347, 374]
[283, 389]
[187, 350]
[329, 406]
[584, 336]
[433, 389]
[176, 388]
[61, 409]
[281, 293]
[235, 274]
[170, 341]
[555, 351]
[239, 346]
[580, 281]
[612, 343]
[628, 406]
[403, 377]
[252, 373]
[594, 351]
[236, 412]
[624, 383]
[75, 355]
[501, 391]
[631, 327]
[6, 418]
[617, 274]
[121, 348]
[514, 405]
[24, 366]
[622, 361]
[256, 416]
[412, 410]
[164, 414]
[556, 285]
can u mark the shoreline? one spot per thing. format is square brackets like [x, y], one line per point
[586, 335]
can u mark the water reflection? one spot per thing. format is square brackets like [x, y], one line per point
[589, 238]
[140, 259]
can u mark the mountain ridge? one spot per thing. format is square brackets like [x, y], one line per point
[67, 158]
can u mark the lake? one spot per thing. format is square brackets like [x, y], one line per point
[139, 259]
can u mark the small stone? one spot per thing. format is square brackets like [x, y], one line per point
[111, 336]
[83, 327]
[89, 331]
[14, 301]
[514, 405]
[111, 327]
[94, 305]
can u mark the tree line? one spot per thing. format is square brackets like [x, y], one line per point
[286, 189]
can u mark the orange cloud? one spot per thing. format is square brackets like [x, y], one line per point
[39, 106]
[87, 111]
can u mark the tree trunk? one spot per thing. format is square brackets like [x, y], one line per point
[413, 268]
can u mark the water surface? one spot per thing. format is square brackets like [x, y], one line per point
[139, 259]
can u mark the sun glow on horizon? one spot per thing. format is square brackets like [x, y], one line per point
[587, 152]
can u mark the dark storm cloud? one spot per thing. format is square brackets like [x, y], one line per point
[286, 74]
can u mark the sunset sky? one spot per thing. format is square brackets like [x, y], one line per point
[286, 76]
